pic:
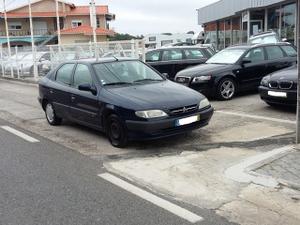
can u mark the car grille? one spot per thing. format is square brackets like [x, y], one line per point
[285, 85]
[183, 110]
[183, 80]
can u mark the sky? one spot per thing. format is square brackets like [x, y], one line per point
[148, 16]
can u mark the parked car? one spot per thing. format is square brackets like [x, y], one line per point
[25, 64]
[237, 68]
[265, 38]
[171, 60]
[280, 88]
[124, 98]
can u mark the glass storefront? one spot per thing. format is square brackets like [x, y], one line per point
[221, 35]
[288, 22]
[236, 30]
[227, 33]
[274, 19]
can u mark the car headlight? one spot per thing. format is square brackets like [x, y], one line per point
[201, 79]
[204, 103]
[151, 114]
[265, 81]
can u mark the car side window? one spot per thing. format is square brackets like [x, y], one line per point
[255, 55]
[193, 54]
[64, 74]
[46, 56]
[289, 50]
[169, 55]
[274, 52]
[152, 56]
[82, 75]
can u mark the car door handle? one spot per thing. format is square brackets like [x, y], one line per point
[51, 91]
[73, 98]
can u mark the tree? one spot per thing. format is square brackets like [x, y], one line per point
[124, 37]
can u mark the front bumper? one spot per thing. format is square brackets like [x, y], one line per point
[290, 99]
[147, 130]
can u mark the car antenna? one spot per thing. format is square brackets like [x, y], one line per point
[115, 58]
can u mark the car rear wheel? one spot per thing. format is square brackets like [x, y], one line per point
[51, 115]
[116, 132]
[226, 89]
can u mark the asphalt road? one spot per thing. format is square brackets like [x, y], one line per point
[45, 183]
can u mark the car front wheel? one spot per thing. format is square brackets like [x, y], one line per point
[226, 89]
[116, 132]
[51, 115]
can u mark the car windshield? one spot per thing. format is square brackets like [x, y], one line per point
[227, 56]
[125, 72]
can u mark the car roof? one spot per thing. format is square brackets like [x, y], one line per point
[248, 46]
[179, 47]
[101, 60]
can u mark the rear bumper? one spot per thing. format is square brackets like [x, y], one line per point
[147, 130]
[290, 99]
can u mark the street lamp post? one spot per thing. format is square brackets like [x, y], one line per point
[298, 47]
[7, 36]
[35, 69]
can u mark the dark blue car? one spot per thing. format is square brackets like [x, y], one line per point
[124, 98]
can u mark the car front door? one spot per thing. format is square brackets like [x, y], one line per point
[59, 90]
[252, 69]
[171, 61]
[277, 59]
[84, 104]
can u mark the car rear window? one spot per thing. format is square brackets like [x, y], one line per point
[289, 50]
[274, 52]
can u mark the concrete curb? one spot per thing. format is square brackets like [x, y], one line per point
[19, 81]
[244, 171]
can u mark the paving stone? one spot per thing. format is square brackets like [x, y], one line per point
[286, 168]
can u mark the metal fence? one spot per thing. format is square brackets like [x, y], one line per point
[20, 65]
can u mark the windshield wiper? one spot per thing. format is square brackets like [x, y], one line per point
[117, 83]
[147, 79]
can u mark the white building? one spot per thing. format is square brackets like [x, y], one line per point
[159, 40]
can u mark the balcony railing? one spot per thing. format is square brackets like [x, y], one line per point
[16, 33]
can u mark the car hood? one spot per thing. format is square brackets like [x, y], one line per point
[162, 95]
[204, 69]
[290, 74]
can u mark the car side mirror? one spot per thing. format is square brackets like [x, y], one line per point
[165, 75]
[88, 87]
[246, 61]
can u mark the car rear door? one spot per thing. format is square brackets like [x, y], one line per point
[193, 56]
[171, 62]
[84, 104]
[276, 59]
[251, 73]
[59, 90]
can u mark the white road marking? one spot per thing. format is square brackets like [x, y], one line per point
[20, 134]
[256, 117]
[172, 208]
[243, 173]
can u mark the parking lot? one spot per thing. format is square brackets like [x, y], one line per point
[189, 167]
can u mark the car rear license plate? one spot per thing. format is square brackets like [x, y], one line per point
[277, 94]
[188, 120]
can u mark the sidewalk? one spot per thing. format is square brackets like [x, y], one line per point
[285, 169]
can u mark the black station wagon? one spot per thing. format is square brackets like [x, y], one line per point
[124, 98]
[174, 59]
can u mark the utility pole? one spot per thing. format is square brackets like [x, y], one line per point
[58, 25]
[7, 36]
[298, 47]
[35, 69]
[93, 20]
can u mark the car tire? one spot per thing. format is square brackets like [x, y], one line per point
[226, 89]
[116, 132]
[51, 117]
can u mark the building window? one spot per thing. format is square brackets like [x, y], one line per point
[76, 23]
[98, 21]
[274, 19]
[166, 42]
[14, 26]
[236, 31]
[152, 39]
[288, 24]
